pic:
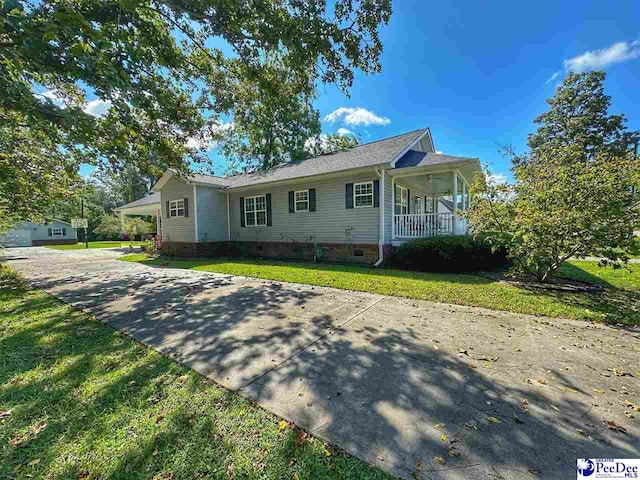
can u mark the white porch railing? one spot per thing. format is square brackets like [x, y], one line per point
[426, 225]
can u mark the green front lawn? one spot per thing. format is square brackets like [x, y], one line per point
[81, 400]
[79, 246]
[619, 303]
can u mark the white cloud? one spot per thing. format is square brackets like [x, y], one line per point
[355, 116]
[599, 59]
[497, 178]
[97, 107]
[206, 142]
[344, 131]
[553, 76]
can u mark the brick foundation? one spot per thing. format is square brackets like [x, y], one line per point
[60, 241]
[366, 254]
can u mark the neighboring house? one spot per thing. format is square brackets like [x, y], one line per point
[351, 205]
[29, 234]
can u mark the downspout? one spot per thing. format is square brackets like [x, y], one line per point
[382, 211]
[228, 219]
[195, 212]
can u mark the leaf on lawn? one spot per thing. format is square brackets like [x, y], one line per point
[33, 462]
[439, 425]
[83, 474]
[326, 451]
[494, 420]
[5, 413]
[439, 460]
[163, 476]
[295, 476]
[159, 419]
[38, 428]
[444, 437]
[302, 438]
[611, 425]
[282, 425]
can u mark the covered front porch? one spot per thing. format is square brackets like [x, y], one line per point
[430, 200]
[149, 206]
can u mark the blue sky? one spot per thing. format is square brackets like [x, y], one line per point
[477, 72]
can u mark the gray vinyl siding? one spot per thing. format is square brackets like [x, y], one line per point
[177, 229]
[326, 225]
[388, 209]
[212, 214]
[41, 232]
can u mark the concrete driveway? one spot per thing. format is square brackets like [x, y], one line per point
[417, 388]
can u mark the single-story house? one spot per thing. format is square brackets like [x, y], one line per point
[351, 205]
[27, 234]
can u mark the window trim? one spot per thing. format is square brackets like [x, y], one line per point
[356, 195]
[255, 211]
[402, 189]
[173, 207]
[295, 200]
[54, 234]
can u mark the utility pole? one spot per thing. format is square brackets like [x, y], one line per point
[86, 239]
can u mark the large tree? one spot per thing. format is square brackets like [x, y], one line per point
[159, 67]
[573, 194]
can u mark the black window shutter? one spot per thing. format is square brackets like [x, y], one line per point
[376, 193]
[268, 196]
[168, 211]
[186, 207]
[348, 195]
[312, 199]
[292, 200]
[50, 232]
[242, 212]
[408, 201]
[64, 232]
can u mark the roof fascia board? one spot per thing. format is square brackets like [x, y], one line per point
[409, 147]
[320, 176]
[431, 169]
[166, 176]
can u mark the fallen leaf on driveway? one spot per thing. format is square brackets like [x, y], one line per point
[439, 425]
[614, 426]
[439, 460]
[282, 425]
[598, 390]
[454, 453]
[444, 437]
[533, 470]
[494, 420]
[620, 373]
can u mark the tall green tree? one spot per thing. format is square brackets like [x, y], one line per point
[573, 194]
[159, 67]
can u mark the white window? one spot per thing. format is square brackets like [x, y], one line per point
[56, 232]
[402, 200]
[302, 201]
[363, 194]
[176, 208]
[255, 211]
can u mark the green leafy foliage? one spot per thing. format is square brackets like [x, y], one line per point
[454, 253]
[573, 194]
[110, 227]
[161, 70]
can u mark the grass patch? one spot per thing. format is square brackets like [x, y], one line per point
[614, 305]
[87, 402]
[80, 246]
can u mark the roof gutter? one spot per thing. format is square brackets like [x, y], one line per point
[381, 175]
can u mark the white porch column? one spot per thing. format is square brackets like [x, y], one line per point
[123, 228]
[455, 202]
[393, 207]
[158, 227]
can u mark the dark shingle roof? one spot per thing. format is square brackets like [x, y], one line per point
[368, 154]
[148, 200]
[414, 159]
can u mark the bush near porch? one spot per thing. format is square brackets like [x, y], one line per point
[449, 254]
